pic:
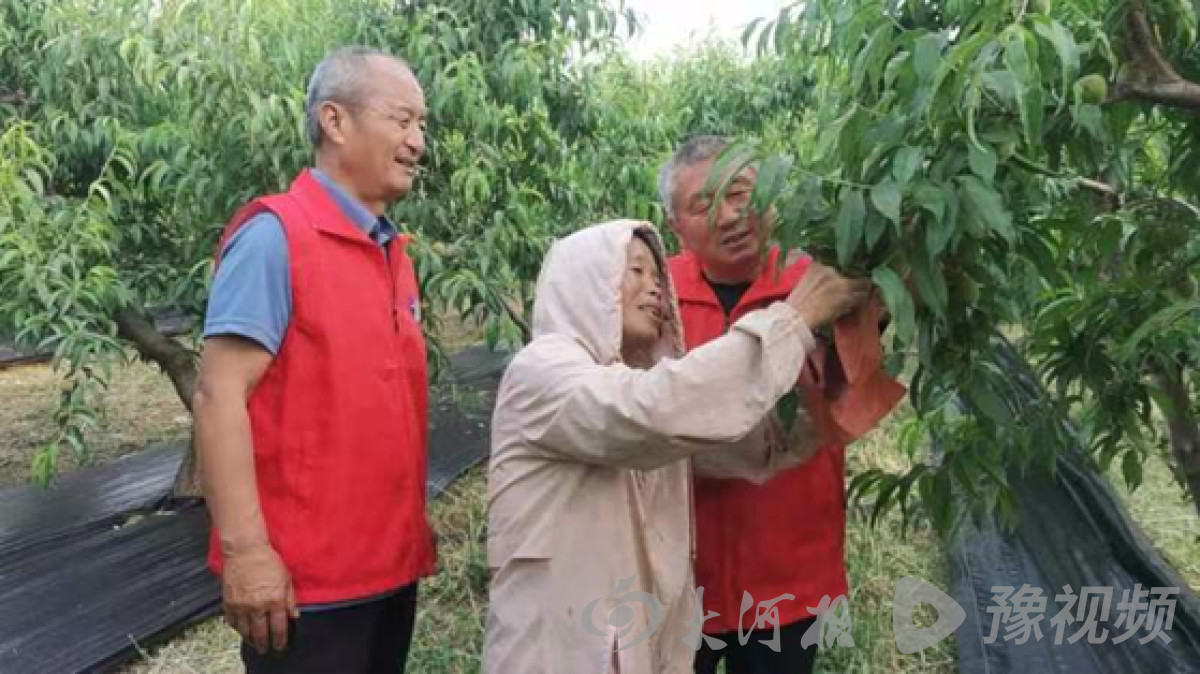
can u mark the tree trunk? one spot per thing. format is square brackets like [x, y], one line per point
[1183, 429]
[187, 479]
[1156, 80]
[519, 320]
[179, 363]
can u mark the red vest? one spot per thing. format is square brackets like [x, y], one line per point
[783, 537]
[339, 418]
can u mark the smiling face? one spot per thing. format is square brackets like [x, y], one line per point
[643, 309]
[728, 249]
[380, 137]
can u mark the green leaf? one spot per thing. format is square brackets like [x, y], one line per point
[98, 187]
[34, 179]
[942, 501]
[45, 464]
[728, 165]
[974, 98]
[1090, 117]
[871, 59]
[911, 433]
[1131, 468]
[1003, 85]
[898, 301]
[886, 198]
[927, 55]
[1159, 323]
[883, 500]
[788, 408]
[862, 483]
[930, 198]
[874, 228]
[748, 33]
[905, 163]
[985, 205]
[1041, 252]
[1064, 45]
[1164, 402]
[982, 161]
[930, 283]
[850, 225]
[939, 229]
[1007, 509]
[1023, 66]
[957, 58]
[988, 403]
[895, 67]
[492, 334]
[770, 183]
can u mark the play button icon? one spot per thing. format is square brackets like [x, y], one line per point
[909, 593]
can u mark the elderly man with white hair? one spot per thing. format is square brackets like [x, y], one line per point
[310, 405]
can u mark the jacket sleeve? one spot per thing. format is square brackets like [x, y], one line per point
[614, 415]
[769, 449]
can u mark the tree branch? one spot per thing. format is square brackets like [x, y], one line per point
[514, 315]
[1097, 186]
[1143, 44]
[1180, 94]
[180, 365]
[177, 361]
[1157, 80]
[17, 97]
[516, 318]
[1183, 429]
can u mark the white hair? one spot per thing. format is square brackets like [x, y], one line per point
[339, 78]
[693, 151]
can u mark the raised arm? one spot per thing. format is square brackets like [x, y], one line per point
[709, 400]
[616, 415]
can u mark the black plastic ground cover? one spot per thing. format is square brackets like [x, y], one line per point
[95, 497]
[92, 572]
[1074, 531]
[11, 354]
[460, 420]
[86, 602]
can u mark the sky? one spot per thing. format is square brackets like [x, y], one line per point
[668, 24]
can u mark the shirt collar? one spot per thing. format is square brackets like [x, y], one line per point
[379, 229]
[692, 285]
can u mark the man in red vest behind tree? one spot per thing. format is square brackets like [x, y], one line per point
[310, 402]
[781, 542]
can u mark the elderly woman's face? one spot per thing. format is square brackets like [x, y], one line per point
[642, 307]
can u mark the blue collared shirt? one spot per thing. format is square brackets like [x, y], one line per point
[251, 295]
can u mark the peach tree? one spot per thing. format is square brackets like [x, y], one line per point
[1007, 166]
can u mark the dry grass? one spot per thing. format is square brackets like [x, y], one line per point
[208, 648]
[140, 407]
[876, 559]
[453, 610]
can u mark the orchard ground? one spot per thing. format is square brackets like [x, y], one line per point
[141, 408]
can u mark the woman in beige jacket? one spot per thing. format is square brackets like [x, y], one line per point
[590, 535]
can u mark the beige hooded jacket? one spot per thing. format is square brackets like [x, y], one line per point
[590, 535]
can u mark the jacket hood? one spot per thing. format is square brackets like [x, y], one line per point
[579, 290]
